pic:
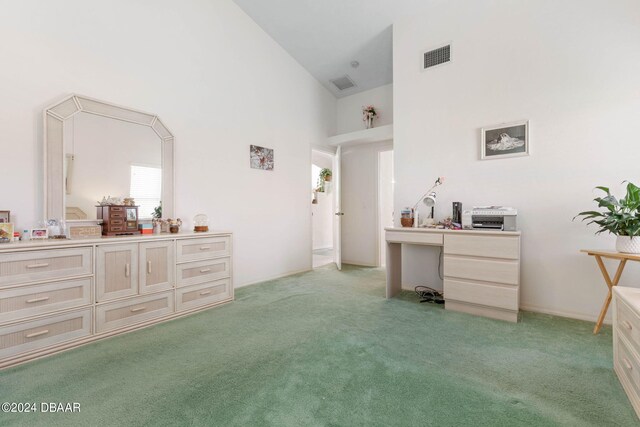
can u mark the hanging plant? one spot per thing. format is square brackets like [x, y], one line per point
[325, 174]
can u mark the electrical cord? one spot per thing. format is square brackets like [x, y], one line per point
[428, 294]
[440, 264]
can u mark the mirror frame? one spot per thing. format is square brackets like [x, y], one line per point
[54, 155]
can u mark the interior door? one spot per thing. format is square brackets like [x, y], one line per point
[337, 219]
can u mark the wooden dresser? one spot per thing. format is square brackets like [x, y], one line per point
[626, 341]
[55, 295]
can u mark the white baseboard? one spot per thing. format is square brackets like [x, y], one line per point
[280, 276]
[358, 264]
[569, 314]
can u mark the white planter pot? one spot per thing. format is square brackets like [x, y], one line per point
[628, 245]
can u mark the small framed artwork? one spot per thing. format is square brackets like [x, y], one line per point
[261, 158]
[39, 233]
[5, 216]
[505, 140]
[6, 232]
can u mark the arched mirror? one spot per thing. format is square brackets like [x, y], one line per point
[95, 149]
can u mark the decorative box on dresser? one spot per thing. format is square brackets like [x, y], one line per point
[56, 295]
[626, 341]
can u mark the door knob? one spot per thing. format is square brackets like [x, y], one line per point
[339, 213]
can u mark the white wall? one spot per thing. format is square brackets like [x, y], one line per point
[216, 80]
[350, 109]
[359, 168]
[571, 68]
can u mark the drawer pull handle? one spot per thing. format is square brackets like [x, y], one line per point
[205, 292]
[205, 270]
[37, 334]
[627, 325]
[29, 301]
[205, 248]
[38, 265]
[127, 270]
[627, 364]
[135, 310]
[149, 267]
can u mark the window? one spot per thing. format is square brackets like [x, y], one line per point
[146, 188]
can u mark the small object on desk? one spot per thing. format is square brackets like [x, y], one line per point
[174, 225]
[39, 234]
[406, 217]
[84, 231]
[146, 228]
[6, 232]
[493, 218]
[5, 216]
[457, 212]
[610, 282]
[118, 219]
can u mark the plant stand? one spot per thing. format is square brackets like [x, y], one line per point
[622, 258]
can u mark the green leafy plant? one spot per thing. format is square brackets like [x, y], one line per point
[325, 174]
[157, 212]
[620, 216]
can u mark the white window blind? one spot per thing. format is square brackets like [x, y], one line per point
[146, 188]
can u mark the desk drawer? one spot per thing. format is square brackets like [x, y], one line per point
[36, 334]
[194, 273]
[124, 313]
[628, 324]
[27, 301]
[415, 237]
[507, 247]
[23, 267]
[206, 293]
[204, 248]
[497, 271]
[505, 297]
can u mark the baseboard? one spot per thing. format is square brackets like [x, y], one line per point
[291, 273]
[570, 315]
[358, 264]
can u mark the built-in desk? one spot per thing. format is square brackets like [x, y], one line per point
[481, 268]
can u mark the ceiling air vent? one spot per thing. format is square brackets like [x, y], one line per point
[437, 56]
[343, 83]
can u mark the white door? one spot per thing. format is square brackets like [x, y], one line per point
[337, 241]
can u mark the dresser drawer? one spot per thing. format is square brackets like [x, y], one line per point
[497, 271]
[22, 267]
[203, 294]
[507, 247]
[505, 297]
[204, 248]
[194, 273]
[627, 366]
[140, 309]
[628, 324]
[37, 334]
[27, 301]
[418, 238]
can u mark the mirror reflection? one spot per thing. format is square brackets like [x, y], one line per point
[110, 157]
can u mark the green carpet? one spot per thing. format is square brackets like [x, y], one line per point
[325, 348]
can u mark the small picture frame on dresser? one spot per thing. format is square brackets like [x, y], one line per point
[5, 216]
[39, 234]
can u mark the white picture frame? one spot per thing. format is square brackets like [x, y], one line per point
[505, 140]
[39, 234]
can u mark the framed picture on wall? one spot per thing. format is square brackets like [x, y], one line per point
[261, 158]
[505, 140]
[5, 216]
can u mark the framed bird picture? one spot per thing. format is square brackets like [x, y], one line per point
[505, 140]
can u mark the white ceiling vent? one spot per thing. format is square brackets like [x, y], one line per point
[438, 56]
[343, 83]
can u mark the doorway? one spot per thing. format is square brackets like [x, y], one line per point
[322, 208]
[385, 201]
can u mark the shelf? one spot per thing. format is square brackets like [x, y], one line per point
[382, 133]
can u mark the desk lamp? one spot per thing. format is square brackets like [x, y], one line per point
[428, 198]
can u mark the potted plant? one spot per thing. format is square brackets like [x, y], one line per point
[369, 114]
[620, 217]
[325, 174]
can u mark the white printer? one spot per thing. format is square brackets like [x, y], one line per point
[490, 218]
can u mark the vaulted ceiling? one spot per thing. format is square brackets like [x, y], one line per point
[326, 36]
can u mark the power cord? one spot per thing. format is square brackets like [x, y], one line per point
[440, 263]
[428, 294]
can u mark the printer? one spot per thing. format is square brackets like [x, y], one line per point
[490, 218]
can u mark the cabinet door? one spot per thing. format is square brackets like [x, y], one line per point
[117, 271]
[157, 266]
